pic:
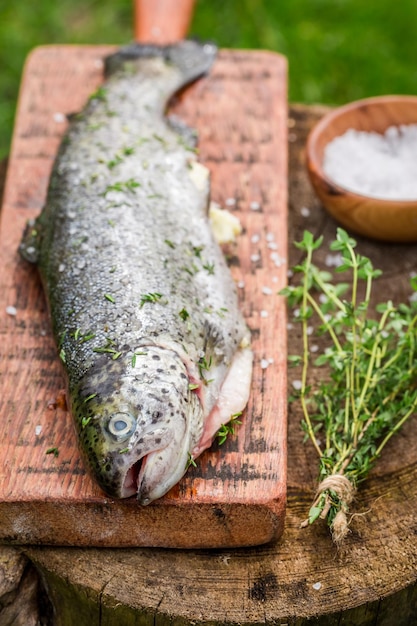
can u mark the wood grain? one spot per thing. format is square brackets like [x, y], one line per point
[236, 494]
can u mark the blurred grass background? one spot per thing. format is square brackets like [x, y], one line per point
[338, 50]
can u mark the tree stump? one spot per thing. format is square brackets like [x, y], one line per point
[301, 579]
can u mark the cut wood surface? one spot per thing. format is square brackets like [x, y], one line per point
[236, 494]
[300, 580]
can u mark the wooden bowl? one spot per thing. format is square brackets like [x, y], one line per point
[386, 220]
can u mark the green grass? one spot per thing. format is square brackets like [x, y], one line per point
[338, 50]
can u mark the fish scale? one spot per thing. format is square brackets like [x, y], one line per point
[143, 306]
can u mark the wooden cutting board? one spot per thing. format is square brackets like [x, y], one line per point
[236, 494]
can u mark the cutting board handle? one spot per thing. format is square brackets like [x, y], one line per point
[162, 21]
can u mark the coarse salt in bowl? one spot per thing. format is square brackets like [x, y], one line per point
[362, 163]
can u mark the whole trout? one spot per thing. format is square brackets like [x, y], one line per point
[143, 306]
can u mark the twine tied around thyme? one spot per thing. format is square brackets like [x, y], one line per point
[344, 491]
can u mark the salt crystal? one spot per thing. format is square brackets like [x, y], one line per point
[314, 348]
[59, 118]
[305, 211]
[241, 284]
[38, 429]
[255, 206]
[264, 363]
[230, 202]
[333, 260]
[272, 245]
[264, 313]
[290, 326]
[267, 291]
[255, 238]
[373, 164]
[317, 586]
[310, 330]
[297, 384]
[11, 310]
[255, 258]
[270, 236]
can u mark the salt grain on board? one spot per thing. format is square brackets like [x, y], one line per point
[264, 313]
[255, 206]
[376, 165]
[59, 118]
[333, 260]
[305, 211]
[11, 310]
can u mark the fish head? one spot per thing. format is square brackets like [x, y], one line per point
[139, 424]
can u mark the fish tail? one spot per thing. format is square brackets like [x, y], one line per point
[193, 58]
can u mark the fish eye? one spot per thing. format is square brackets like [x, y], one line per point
[121, 425]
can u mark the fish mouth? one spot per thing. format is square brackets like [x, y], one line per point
[131, 480]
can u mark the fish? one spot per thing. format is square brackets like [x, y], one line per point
[142, 304]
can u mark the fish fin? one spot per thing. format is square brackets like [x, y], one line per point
[193, 58]
[187, 134]
[30, 242]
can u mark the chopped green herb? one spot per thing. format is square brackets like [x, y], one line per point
[123, 450]
[228, 429]
[128, 151]
[184, 315]
[85, 421]
[113, 162]
[170, 244]
[109, 297]
[62, 355]
[160, 139]
[209, 267]
[150, 297]
[88, 398]
[204, 365]
[99, 94]
[190, 462]
[53, 451]
[127, 185]
[193, 386]
[108, 349]
[95, 126]
[135, 354]
[197, 250]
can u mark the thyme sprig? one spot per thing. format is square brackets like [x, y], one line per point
[369, 391]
